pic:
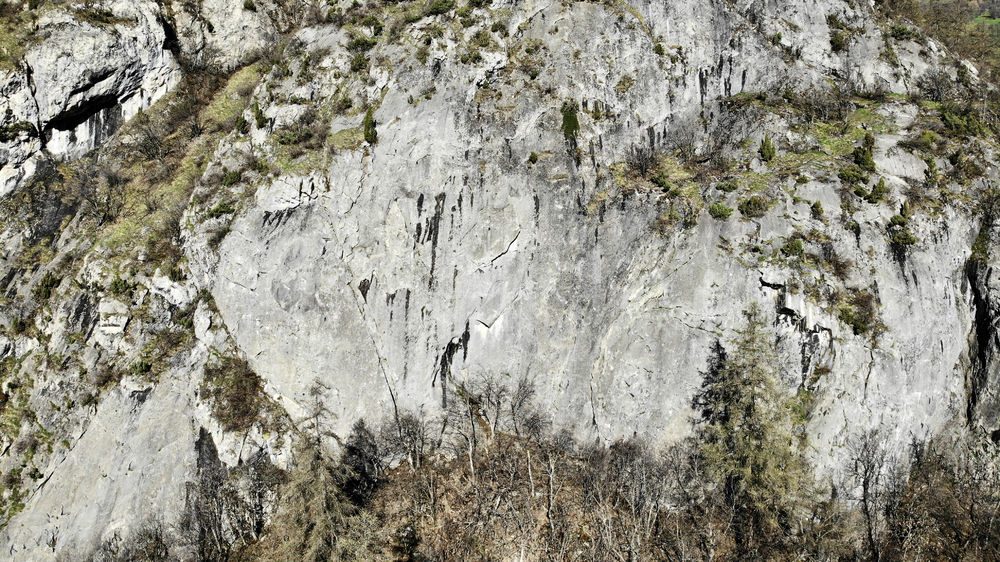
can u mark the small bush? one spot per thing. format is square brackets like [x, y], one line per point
[754, 207]
[361, 43]
[439, 7]
[901, 32]
[640, 160]
[859, 310]
[472, 56]
[140, 368]
[242, 125]
[900, 235]
[533, 158]
[359, 62]
[719, 211]
[570, 121]
[258, 116]
[878, 193]
[864, 155]
[234, 392]
[119, 286]
[727, 186]
[926, 141]
[838, 41]
[793, 248]
[43, 290]
[816, 210]
[15, 130]
[767, 150]
[852, 175]
[369, 123]
[221, 209]
[292, 135]
[231, 177]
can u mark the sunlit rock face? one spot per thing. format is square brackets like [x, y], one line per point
[488, 233]
[442, 255]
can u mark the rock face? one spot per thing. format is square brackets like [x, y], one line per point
[465, 212]
[394, 274]
[81, 81]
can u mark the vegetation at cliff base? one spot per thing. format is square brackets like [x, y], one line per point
[492, 479]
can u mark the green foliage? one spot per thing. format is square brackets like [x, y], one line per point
[439, 7]
[981, 246]
[372, 22]
[368, 124]
[258, 116]
[864, 155]
[754, 207]
[926, 141]
[234, 392]
[962, 121]
[471, 56]
[11, 132]
[747, 439]
[852, 175]
[816, 210]
[140, 368]
[900, 235]
[533, 158]
[767, 150]
[119, 286]
[902, 32]
[570, 121]
[932, 174]
[839, 40]
[360, 43]
[878, 193]
[242, 125]
[231, 177]
[220, 209]
[719, 211]
[859, 310]
[293, 134]
[793, 248]
[727, 186]
[43, 289]
[359, 62]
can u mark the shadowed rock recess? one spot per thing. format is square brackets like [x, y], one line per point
[228, 227]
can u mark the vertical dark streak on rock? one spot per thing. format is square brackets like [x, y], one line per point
[446, 359]
[433, 229]
[984, 338]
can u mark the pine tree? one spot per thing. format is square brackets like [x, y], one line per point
[362, 462]
[746, 439]
[313, 510]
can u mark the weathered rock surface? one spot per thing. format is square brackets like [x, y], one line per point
[391, 287]
[81, 81]
[483, 235]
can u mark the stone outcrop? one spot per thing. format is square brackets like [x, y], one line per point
[80, 81]
[469, 215]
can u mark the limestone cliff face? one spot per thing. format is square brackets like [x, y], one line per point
[442, 254]
[490, 230]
